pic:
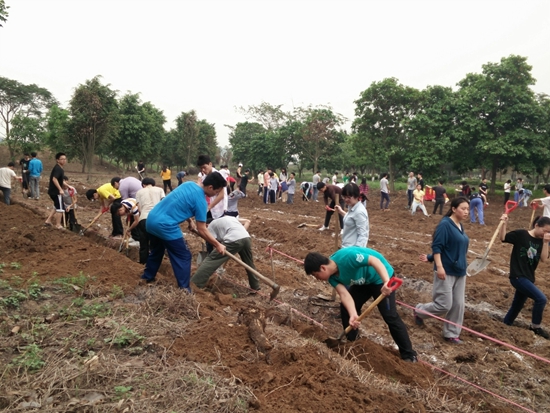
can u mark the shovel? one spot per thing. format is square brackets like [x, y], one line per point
[394, 284]
[307, 225]
[534, 206]
[479, 264]
[76, 226]
[266, 280]
[93, 222]
[202, 254]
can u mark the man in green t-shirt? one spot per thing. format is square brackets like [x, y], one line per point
[358, 274]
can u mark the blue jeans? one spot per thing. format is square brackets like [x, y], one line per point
[6, 192]
[384, 196]
[525, 289]
[315, 192]
[410, 197]
[34, 186]
[179, 255]
[477, 205]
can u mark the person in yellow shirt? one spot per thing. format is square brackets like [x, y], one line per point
[418, 195]
[166, 176]
[106, 194]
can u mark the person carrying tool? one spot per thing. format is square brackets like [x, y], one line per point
[147, 198]
[163, 225]
[141, 169]
[357, 274]
[330, 192]
[530, 247]
[55, 191]
[69, 202]
[234, 236]
[107, 194]
[129, 207]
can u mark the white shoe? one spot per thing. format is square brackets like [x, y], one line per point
[323, 228]
[341, 232]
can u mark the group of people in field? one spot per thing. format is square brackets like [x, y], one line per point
[358, 273]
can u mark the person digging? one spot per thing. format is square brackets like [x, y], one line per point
[357, 274]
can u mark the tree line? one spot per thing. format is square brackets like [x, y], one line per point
[493, 122]
[98, 122]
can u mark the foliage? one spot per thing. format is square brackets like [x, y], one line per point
[3, 12]
[498, 116]
[124, 337]
[19, 101]
[94, 117]
[382, 112]
[69, 283]
[120, 391]
[140, 130]
[31, 359]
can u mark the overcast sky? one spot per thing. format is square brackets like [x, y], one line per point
[213, 56]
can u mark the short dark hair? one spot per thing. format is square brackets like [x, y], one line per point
[541, 221]
[203, 160]
[11, 164]
[33, 154]
[26, 154]
[115, 180]
[351, 189]
[320, 185]
[90, 194]
[215, 179]
[385, 175]
[313, 262]
[547, 188]
[148, 181]
[59, 155]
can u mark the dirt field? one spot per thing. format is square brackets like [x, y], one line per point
[287, 367]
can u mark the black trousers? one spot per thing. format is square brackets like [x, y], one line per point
[328, 215]
[361, 294]
[144, 241]
[116, 221]
[439, 202]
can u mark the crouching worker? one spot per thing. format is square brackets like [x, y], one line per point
[129, 208]
[358, 274]
[231, 233]
[163, 225]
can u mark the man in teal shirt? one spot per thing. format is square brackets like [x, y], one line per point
[358, 274]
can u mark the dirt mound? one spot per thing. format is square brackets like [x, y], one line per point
[276, 350]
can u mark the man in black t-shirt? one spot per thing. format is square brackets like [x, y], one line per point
[420, 181]
[25, 173]
[440, 192]
[483, 190]
[245, 178]
[55, 191]
[530, 247]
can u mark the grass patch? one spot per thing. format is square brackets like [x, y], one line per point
[69, 283]
[30, 359]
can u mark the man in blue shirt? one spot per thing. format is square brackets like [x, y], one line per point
[35, 170]
[163, 226]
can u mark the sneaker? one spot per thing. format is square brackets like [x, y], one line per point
[454, 340]
[411, 359]
[323, 228]
[417, 320]
[341, 232]
[148, 281]
[540, 332]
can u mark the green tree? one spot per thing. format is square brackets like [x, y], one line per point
[93, 118]
[382, 112]
[17, 99]
[3, 12]
[140, 128]
[498, 115]
[247, 140]
[187, 132]
[318, 136]
[432, 132]
[27, 133]
[207, 143]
